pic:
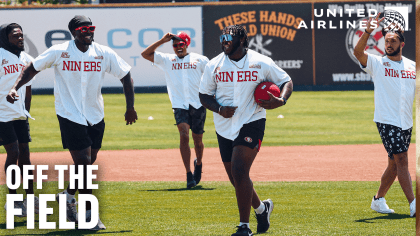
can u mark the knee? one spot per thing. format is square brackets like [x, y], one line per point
[184, 138]
[238, 173]
[401, 159]
[198, 143]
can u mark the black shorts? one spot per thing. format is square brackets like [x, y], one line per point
[195, 118]
[14, 130]
[251, 135]
[78, 137]
[395, 139]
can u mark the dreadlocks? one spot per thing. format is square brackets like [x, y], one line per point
[237, 30]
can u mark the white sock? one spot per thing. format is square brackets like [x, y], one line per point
[260, 209]
[242, 223]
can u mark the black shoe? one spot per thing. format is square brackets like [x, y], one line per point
[263, 219]
[197, 171]
[190, 180]
[243, 231]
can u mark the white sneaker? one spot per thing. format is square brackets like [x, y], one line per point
[17, 206]
[99, 225]
[380, 206]
[36, 202]
[71, 207]
[413, 208]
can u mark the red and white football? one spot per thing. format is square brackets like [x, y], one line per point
[262, 89]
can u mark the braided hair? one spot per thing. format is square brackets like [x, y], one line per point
[237, 30]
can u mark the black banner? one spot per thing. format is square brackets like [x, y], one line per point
[272, 31]
[335, 63]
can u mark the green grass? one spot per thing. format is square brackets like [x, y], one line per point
[310, 118]
[301, 208]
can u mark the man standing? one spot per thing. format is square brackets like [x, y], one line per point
[227, 89]
[80, 66]
[394, 78]
[14, 125]
[183, 72]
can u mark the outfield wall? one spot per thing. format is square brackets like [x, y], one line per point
[316, 58]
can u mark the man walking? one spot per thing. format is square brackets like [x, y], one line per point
[394, 78]
[80, 66]
[227, 89]
[183, 72]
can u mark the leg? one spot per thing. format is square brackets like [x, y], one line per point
[401, 161]
[388, 178]
[184, 145]
[24, 159]
[12, 150]
[198, 147]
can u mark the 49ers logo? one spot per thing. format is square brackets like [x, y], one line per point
[4, 61]
[65, 55]
[248, 139]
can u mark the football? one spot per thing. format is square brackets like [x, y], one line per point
[262, 89]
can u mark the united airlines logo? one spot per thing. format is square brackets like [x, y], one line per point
[65, 55]
[4, 62]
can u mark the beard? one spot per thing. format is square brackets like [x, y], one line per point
[235, 47]
[17, 48]
[393, 53]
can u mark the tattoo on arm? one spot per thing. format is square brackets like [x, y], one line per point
[209, 102]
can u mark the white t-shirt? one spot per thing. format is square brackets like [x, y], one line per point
[79, 77]
[395, 84]
[182, 77]
[235, 87]
[10, 69]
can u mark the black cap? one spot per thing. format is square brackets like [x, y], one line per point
[78, 21]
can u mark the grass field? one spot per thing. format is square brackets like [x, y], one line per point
[301, 208]
[310, 118]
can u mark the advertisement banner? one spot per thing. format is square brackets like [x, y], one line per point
[338, 27]
[272, 31]
[128, 31]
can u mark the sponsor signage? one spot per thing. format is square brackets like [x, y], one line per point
[272, 31]
[128, 31]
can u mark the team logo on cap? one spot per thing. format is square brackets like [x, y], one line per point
[4, 62]
[65, 55]
[248, 139]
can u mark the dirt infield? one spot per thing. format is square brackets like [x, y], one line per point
[295, 163]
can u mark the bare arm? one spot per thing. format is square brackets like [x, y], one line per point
[149, 52]
[27, 74]
[359, 50]
[28, 98]
[128, 87]
[274, 102]
[210, 103]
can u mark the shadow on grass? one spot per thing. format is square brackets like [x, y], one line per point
[79, 232]
[180, 189]
[384, 217]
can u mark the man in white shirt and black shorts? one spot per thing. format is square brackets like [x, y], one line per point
[80, 66]
[394, 78]
[227, 88]
[183, 72]
[14, 125]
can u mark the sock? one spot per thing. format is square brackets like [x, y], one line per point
[242, 223]
[374, 197]
[260, 209]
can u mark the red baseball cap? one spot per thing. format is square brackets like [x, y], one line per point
[183, 37]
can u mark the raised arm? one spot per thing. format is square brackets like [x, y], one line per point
[27, 74]
[149, 52]
[359, 50]
[128, 87]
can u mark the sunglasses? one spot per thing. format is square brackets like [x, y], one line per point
[86, 28]
[181, 44]
[225, 37]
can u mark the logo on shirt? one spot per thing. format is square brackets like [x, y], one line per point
[387, 64]
[4, 62]
[173, 59]
[65, 55]
[216, 70]
[99, 57]
[248, 139]
[257, 66]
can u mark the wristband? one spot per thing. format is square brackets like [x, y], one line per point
[219, 109]
[367, 32]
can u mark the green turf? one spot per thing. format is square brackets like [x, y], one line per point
[301, 208]
[310, 118]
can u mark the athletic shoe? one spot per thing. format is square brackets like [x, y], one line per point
[197, 171]
[380, 206]
[243, 231]
[71, 207]
[413, 208]
[263, 219]
[36, 202]
[190, 180]
[98, 226]
[18, 205]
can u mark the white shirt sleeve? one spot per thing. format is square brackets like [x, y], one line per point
[45, 60]
[205, 60]
[116, 65]
[159, 60]
[370, 65]
[276, 75]
[208, 84]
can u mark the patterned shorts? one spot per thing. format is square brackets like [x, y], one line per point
[195, 118]
[395, 139]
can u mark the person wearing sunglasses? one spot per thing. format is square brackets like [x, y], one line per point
[227, 88]
[80, 67]
[183, 72]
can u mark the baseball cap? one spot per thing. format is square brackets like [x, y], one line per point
[183, 37]
[78, 21]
